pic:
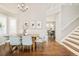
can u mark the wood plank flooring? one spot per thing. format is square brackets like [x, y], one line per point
[51, 49]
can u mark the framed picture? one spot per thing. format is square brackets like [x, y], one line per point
[33, 25]
[26, 24]
[39, 24]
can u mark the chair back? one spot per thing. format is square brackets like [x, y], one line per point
[27, 40]
[14, 40]
[44, 37]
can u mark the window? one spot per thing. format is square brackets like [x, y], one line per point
[7, 25]
[12, 26]
[3, 24]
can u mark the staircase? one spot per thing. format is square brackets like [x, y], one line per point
[72, 41]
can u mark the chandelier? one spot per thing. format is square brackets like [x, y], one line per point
[22, 7]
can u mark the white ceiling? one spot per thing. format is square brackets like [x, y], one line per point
[35, 7]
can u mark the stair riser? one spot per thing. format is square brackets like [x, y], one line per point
[72, 41]
[71, 46]
[73, 38]
[77, 43]
[75, 34]
[77, 31]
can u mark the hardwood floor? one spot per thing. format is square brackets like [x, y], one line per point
[51, 49]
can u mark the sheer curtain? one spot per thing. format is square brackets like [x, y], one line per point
[3, 24]
[12, 26]
[8, 25]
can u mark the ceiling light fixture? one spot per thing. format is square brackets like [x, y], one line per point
[22, 7]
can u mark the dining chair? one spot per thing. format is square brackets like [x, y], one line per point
[27, 42]
[41, 40]
[14, 43]
[43, 37]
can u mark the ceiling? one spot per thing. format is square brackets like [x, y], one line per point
[35, 7]
[49, 8]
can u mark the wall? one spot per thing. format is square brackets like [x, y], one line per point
[64, 18]
[32, 16]
[69, 19]
[58, 26]
[51, 18]
[69, 13]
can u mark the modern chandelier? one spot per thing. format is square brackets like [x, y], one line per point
[22, 7]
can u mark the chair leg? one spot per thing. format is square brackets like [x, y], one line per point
[19, 48]
[23, 48]
[30, 48]
[27, 48]
[33, 47]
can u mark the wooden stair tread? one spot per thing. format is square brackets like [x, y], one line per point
[75, 34]
[73, 37]
[71, 46]
[72, 41]
[76, 31]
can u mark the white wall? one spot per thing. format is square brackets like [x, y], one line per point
[37, 12]
[51, 18]
[69, 19]
[69, 13]
[32, 16]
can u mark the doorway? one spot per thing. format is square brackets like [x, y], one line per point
[51, 25]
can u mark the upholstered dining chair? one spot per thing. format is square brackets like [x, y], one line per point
[14, 43]
[27, 42]
[43, 37]
[41, 40]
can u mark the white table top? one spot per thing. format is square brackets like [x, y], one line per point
[39, 40]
